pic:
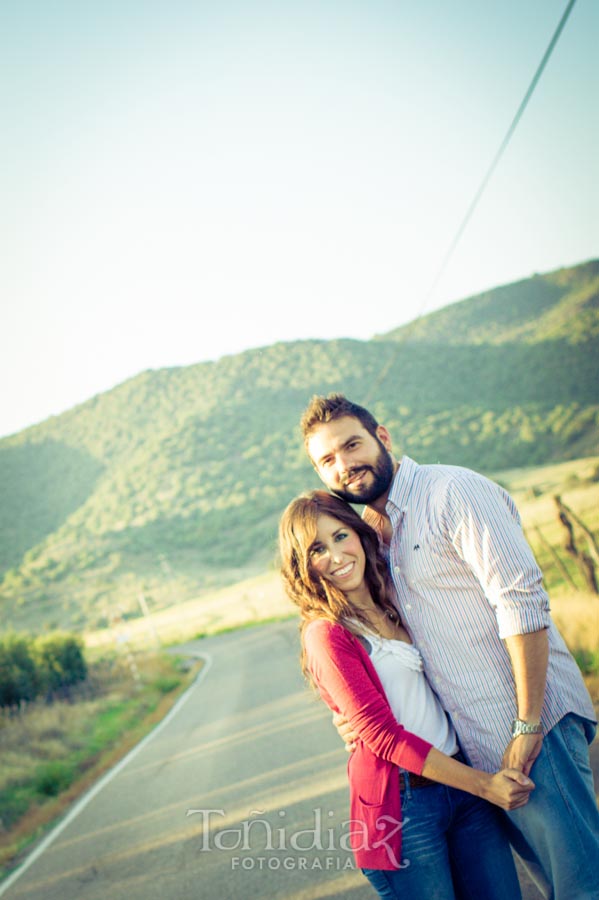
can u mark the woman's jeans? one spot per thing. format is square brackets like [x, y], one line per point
[453, 848]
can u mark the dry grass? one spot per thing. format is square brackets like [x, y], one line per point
[576, 615]
[254, 600]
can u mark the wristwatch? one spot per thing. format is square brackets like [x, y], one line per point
[519, 726]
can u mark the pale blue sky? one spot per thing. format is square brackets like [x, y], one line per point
[183, 180]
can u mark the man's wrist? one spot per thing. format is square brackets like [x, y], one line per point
[526, 726]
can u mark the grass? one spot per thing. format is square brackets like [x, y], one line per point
[52, 753]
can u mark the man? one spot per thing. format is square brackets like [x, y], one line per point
[470, 593]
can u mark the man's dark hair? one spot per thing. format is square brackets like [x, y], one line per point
[326, 409]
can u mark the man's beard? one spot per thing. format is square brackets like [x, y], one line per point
[382, 473]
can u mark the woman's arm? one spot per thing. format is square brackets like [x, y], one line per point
[509, 788]
[337, 663]
[346, 686]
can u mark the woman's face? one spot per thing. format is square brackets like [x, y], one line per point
[337, 554]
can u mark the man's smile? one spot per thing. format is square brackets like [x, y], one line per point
[356, 476]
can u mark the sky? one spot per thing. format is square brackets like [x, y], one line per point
[183, 180]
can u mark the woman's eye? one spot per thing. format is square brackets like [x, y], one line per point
[317, 551]
[341, 536]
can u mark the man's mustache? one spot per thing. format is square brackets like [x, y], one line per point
[353, 472]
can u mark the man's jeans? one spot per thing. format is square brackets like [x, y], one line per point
[453, 846]
[558, 829]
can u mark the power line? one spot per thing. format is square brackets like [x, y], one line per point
[477, 196]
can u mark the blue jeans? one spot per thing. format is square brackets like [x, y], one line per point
[453, 848]
[557, 833]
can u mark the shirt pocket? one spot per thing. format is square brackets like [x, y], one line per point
[432, 564]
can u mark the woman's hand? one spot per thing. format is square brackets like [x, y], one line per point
[508, 789]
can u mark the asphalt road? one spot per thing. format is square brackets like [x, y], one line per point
[239, 793]
[211, 806]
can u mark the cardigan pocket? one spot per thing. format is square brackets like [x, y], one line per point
[381, 831]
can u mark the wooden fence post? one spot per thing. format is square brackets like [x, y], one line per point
[583, 560]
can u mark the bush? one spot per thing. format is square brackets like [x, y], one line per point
[166, 683]
[60, 662]
[588, 660]
[18, 676]
[52, 778]
[45, 665]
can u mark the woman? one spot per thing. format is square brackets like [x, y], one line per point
[420, 826]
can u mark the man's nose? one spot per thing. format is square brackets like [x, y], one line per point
[343, 464]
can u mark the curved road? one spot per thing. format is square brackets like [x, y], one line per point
[239, 793]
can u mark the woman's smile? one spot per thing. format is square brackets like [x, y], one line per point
[344, 570]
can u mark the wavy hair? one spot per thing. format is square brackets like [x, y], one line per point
[316, 597]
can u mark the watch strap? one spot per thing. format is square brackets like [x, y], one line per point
[519, 726]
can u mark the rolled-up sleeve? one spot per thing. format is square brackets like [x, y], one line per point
[484, 527]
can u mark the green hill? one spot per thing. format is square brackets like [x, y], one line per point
[172, 483]
[561, 305]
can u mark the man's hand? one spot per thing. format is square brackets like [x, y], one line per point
[344, 730]
[522, 751]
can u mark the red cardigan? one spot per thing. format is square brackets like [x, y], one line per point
[348, 683]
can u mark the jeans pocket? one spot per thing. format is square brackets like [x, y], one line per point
[573, 731]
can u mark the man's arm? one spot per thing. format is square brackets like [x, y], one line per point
[484, 526]
[529, 654]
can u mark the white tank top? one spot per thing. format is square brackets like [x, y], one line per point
[413, 702]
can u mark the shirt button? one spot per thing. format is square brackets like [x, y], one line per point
[408, 606]
[396, 569]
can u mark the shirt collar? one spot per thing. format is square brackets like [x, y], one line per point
[401, 485]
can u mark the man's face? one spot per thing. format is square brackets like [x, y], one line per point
[353, 464]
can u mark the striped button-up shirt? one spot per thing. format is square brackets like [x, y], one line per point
[465, 578]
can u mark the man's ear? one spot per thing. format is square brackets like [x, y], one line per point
[385, 438]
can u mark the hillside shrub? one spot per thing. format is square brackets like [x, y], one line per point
[32, 666]
[60, 663]
[53, 777]
[18, 676]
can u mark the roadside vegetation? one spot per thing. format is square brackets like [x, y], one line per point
[55, 746]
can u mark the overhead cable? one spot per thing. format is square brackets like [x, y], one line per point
[469, 212]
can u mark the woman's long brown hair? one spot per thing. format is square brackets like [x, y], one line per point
[316, 597]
